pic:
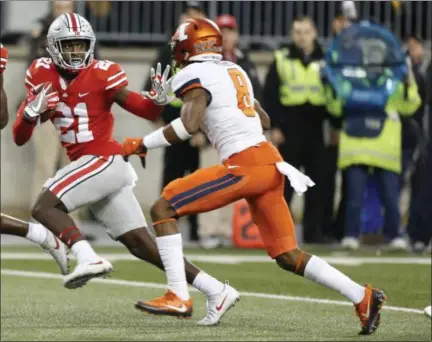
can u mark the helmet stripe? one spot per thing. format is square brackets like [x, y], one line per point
[74, 22]
[77, 21]
[69, 22]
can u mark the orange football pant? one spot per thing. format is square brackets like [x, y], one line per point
[250, 174]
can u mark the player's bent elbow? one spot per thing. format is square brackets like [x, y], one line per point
[18, 140]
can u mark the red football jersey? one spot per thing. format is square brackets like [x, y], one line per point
[83, 117]
[3, 58]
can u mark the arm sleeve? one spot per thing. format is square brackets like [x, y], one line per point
[33, 76]
[333, 105]
[114, 79]
[22, 130]
[406, 100]
[142, 107]
[270, 95]
[185, 81]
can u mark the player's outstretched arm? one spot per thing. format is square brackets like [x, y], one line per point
[264, 117]
[181, 129]
[137, 104]
[4, 116]
[22, 128]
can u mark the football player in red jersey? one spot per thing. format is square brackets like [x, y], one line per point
[82, 91]
[33, 232]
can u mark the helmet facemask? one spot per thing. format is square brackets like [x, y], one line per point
[72, 54]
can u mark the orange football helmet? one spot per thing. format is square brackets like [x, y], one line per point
[196, 40]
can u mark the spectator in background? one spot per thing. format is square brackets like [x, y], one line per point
[230, 35]
[180, 159]
[48, 153]
[371, 142]
[412, 138]
[419, 225]
[216, 226]
[294, 98]
[346, 14]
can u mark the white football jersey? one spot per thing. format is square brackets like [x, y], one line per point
[230, 121]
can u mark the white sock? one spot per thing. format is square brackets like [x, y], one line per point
[37, 233]
[208, 285]
[84, 252]
[171, 252]
[322, 273]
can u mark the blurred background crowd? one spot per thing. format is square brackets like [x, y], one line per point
[281, 45]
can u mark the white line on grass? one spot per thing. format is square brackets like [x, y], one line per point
[237, 259]
[46, 275]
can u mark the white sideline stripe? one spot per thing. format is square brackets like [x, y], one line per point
[46, 275]
[237, 259]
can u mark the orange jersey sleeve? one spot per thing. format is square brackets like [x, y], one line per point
[3, 58]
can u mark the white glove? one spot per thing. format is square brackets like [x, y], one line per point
[40, 99]
[161, 86]
[298, 180]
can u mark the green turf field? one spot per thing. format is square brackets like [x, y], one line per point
[35, 306]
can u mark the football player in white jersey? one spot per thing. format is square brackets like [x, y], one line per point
[218, 98]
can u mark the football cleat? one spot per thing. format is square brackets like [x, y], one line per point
[86, 271]
[428, 311]
[58, 251]
[219, 305]
[369, 310]
[169, 304]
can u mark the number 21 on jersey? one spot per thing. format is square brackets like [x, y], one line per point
[66, 123]
[243, 95]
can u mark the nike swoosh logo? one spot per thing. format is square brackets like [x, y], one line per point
[218, 308]
[181, 308]
[82, 95]
[368, 310]
[232, 166]
[97, 263]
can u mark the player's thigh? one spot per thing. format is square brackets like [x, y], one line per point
[271, 214]
[119, 212]
[204, 190]
[89, 179]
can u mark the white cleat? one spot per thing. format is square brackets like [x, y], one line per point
[398, 244]
[58, 251]
[86, 271]
[350, 243]
[219, 305]
[428, 311]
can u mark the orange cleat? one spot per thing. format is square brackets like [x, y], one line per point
[169, 304]
[369, 310]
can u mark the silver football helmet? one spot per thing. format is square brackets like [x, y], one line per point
[70, 27]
